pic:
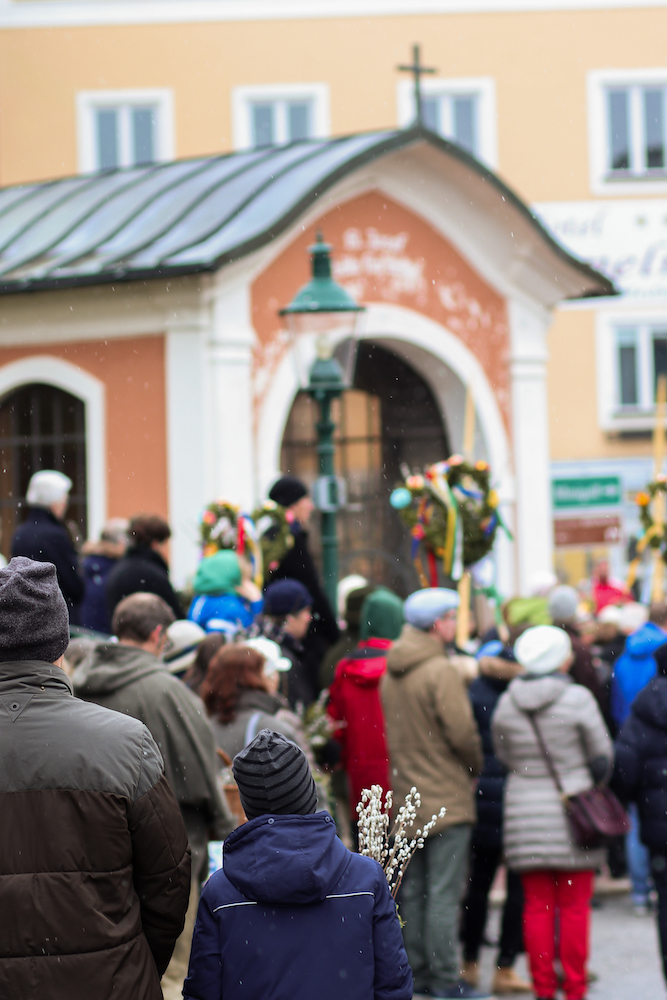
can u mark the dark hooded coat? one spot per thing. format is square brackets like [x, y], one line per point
[294, 915]
[640, 772]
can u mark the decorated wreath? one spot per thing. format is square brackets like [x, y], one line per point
[452, 511]
[655, 535]
[224, 526]
[273, 530]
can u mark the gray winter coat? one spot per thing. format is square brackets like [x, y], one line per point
[134, 682]
[536, 832]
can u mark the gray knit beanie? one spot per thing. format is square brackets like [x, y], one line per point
[34, 622]
[273, 776]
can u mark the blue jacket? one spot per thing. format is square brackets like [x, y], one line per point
[634, 669]
[93, 611]
[294, 915]
[640, 771]
[484, 694]
[208, 609]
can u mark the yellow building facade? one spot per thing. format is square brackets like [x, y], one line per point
[565, 100]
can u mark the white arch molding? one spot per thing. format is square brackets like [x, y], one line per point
[419, 340]
[63, 375]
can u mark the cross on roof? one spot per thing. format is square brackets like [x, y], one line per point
[417, 71]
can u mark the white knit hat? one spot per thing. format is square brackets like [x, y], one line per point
[542, 649]
[47, 487]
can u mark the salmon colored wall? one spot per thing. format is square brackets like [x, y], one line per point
[133, 372]
[384, 253]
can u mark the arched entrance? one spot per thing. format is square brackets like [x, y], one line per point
[41, 427]
[389, 420]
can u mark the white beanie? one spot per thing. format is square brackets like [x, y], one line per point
[542, 649]
[632, 616]
[563, 603]
[47, 487]
[423, 608]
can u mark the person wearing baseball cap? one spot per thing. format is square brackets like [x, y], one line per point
[293, 914]
[44, 538]
[434, 745]
[88, 820]
[544, 705]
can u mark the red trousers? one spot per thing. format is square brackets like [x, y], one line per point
[566, 895]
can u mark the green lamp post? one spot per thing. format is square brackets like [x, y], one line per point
[321, 315]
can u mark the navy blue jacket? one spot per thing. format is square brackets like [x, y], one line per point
[294, 915]
[93, 612]
[484, 694]
[44, 538]
[640, 772]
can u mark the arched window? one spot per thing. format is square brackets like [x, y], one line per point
[390, 419]
[41, 427]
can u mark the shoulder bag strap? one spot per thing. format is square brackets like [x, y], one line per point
[545, 754]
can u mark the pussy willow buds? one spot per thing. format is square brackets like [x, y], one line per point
[392, 848]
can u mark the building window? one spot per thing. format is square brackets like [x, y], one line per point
[41, 427]
[641, 357]
[124, 128]
[627, 124]
[277, 115]
[461, 110]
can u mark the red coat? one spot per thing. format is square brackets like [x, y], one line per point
[355, 700]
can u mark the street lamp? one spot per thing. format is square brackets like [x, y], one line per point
[321, 317]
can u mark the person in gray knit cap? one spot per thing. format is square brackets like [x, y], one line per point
[293, 914]
[113, 872]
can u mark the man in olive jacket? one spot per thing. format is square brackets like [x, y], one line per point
[128, 677]
[94, 860]
[435, 746]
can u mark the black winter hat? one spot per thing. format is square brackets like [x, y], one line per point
[273, 776]
[287, 490]
[34, 622]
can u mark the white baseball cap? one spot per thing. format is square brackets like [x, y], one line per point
[274, 661]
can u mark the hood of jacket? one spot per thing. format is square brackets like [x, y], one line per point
[650, 705]
[367, 663]
[532, 694]
[412, 648]
[110, 666]
[285, 859]
[218, 574]
[645, 640]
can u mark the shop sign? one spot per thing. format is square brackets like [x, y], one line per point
[587, 531]
[598, 491]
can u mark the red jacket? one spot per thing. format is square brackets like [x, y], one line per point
[354, 698]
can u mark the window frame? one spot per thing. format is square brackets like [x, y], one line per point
[483, 87]
[599, 82]
[243, 97]
[612, 414]
[90, 101]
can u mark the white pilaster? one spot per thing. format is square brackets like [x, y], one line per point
[185, 357]
[530, 425]
[230, 381]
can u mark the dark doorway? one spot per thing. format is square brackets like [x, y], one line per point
[41, 427]
[390, 418]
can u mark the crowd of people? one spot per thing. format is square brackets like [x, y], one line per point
[257, 718]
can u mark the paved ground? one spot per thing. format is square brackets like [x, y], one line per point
[624, 955]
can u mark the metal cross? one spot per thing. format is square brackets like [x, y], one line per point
[417, 71]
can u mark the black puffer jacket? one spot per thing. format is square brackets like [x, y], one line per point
[485, 692]
[44, 538]
[141, 569]
[640, 772]
[94, 860]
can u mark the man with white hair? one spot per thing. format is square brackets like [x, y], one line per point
[43, 536]
[434, 745]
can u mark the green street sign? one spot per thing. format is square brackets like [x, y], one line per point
[601, 491]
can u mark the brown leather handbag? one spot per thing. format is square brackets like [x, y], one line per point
[595, 815]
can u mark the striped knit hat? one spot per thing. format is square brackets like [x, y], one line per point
[273, 776]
